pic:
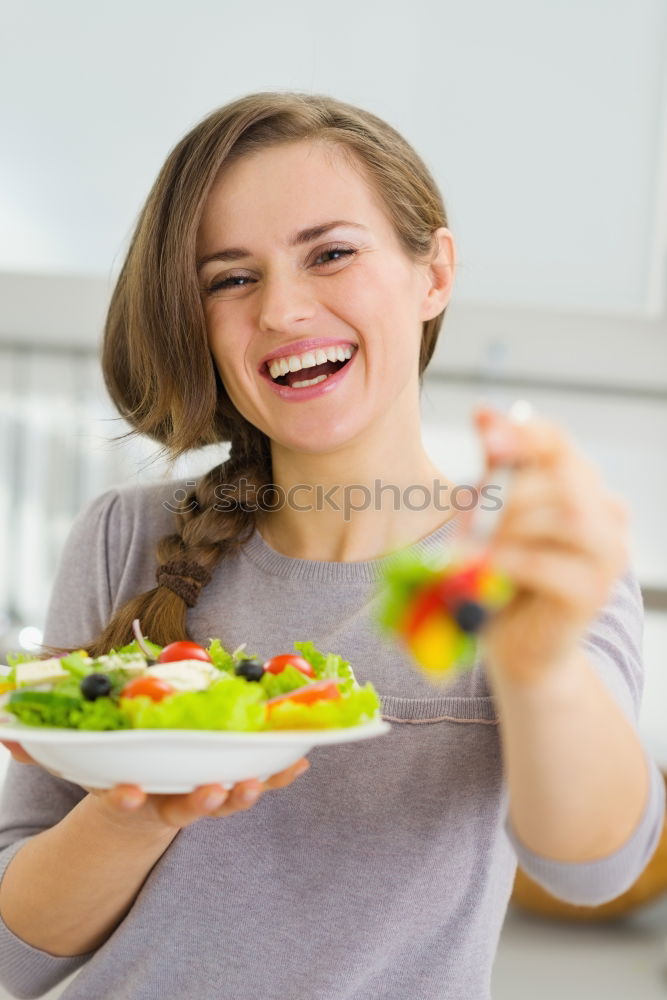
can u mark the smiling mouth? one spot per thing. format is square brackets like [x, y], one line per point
[311, 375]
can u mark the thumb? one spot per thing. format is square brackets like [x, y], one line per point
[123, 798]
[498, 436]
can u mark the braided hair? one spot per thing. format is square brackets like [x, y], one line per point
[157, 365]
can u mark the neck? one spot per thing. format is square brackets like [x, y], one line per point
[379, 482]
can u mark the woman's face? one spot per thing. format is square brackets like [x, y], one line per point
[269, 295]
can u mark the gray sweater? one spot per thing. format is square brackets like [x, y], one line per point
[385, 872]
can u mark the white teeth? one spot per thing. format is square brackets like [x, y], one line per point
[279, 367]
[309, 381]
[295, 362]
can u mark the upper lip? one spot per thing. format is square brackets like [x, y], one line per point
[301, 346]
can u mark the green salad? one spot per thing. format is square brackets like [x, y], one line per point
[187, 686]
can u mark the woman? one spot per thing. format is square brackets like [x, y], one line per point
[281, 226]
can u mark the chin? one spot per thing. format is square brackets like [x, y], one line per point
[314, 439]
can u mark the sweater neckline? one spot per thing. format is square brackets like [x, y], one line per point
[275, 563]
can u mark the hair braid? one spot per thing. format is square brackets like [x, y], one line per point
[205, 534]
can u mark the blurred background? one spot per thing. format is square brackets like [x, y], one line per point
[545, 125]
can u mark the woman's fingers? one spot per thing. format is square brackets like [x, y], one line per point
[242, 796]
[246, 793]
[17, 752]
[556, 496]
[564, 503]
[182, 810]
[287, 776]
[570, 577]
[536, 441]
[179, 811]
[131, 804]
[598, 531]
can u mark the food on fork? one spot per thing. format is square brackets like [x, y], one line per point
[437, 611]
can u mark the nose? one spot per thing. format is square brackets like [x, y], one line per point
[285, 301]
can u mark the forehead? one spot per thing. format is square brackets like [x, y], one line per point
[280, 189]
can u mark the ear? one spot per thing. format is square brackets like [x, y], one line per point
[439, 274]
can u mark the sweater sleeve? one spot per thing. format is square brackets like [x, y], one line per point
[33, 799]
[614, 645]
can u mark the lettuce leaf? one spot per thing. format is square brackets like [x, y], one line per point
[103, 713]
[77, 664]
[354, 709]
[225, 661]
[328, 665]
[65, 710]
[220, 657]
[231, 703]
[288, 679]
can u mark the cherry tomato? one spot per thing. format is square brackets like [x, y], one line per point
[461, 583]
[319, 691]
[183, 650]
[278, 663]
[150, 687]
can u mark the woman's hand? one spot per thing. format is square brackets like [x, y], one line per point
[562, 539]
[130, 805]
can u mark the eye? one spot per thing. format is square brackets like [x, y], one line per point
[235, 280]
[345, 251]
[224, 283]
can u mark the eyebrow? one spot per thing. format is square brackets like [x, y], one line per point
[296, 239]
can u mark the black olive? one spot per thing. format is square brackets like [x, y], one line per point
[95, 686]
[470, 616]
[251, 668]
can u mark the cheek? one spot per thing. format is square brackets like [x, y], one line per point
[218, 357]
[387, 291]
[228, 375]
[226, 355]
[369, 300]
[238, 394]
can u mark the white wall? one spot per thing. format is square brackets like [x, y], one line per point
[542, 121]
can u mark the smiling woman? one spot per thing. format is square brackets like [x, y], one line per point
[283, 293]
[317, 227]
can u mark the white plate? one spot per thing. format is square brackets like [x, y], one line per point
[172, 760]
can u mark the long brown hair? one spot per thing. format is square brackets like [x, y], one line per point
[155, 357]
